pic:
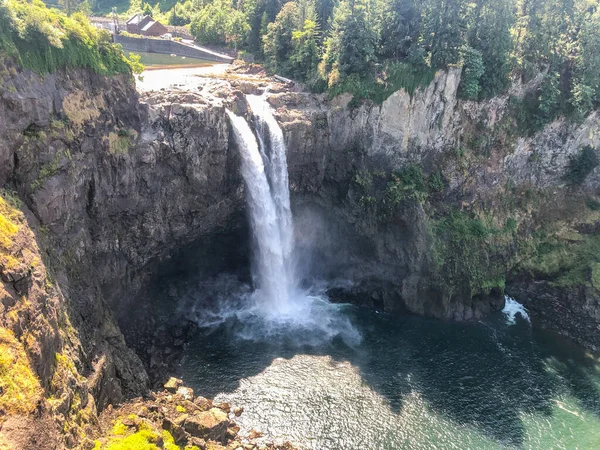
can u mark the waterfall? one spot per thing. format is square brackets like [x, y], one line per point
[272, 145]
[270, 271]
[277, 306]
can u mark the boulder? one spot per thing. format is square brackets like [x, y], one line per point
[186, 392]
[173, 384]
[211, 424]
[203, 403]
[179, 434]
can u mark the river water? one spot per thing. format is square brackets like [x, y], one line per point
[411, 383]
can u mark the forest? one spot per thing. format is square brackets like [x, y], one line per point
[372, 47]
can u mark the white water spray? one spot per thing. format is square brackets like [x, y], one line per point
[278, 302]
[512, 308]
[269, 132]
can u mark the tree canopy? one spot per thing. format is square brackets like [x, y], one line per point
[336, 43]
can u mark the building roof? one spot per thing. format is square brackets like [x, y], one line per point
[136, 18]
[152, 24]
[149, 25]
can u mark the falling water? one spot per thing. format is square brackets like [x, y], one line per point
[278, 305]
[272, 145]
[270, 272]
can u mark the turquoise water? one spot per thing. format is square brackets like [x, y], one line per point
[410, 383]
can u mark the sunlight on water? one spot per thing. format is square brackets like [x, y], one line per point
[411, 383]
[321, 403]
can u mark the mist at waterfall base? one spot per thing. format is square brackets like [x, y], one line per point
[278, 305]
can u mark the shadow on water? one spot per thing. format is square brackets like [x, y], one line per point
[482, 375]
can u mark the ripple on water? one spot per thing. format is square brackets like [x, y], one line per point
[411, 383]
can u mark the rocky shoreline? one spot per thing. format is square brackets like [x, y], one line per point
[176, 418]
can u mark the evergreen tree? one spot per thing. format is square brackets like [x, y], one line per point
[278, 40]
[489, 33]
[401, 24]
[443, 31]
[350, 47]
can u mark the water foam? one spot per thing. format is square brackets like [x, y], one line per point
[512, 308]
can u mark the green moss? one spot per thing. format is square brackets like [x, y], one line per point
[466, 249]
[20, 389]
[47, 171]
[566, 262]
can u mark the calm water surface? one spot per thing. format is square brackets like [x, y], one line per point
[158, 60]
[412, 383]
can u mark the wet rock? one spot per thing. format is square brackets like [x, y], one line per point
[203, 403]
[211, 424]
[254, 434]
[232, 432]
[223, 406]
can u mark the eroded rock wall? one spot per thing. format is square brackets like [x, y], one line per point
[489, 171]
[111, 186]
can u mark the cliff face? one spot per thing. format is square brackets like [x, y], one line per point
[497, 209]
[100, 187]
[426, 203]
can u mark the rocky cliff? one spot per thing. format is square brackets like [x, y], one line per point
[97, 188]
[450, 203]
[425, 203]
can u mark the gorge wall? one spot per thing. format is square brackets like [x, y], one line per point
[426, 203]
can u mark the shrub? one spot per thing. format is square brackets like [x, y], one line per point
[45, 40]
[581, 165]
[406, 184]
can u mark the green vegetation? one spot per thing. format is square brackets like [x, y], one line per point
[141, 436]
[581, 165]
[406, 184]
[45, 40]
[371, 47]
[567, 262]
[466, 251]
[19, 387]
[9, 226]
[389, 191]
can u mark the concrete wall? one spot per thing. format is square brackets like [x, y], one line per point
[168, 47]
